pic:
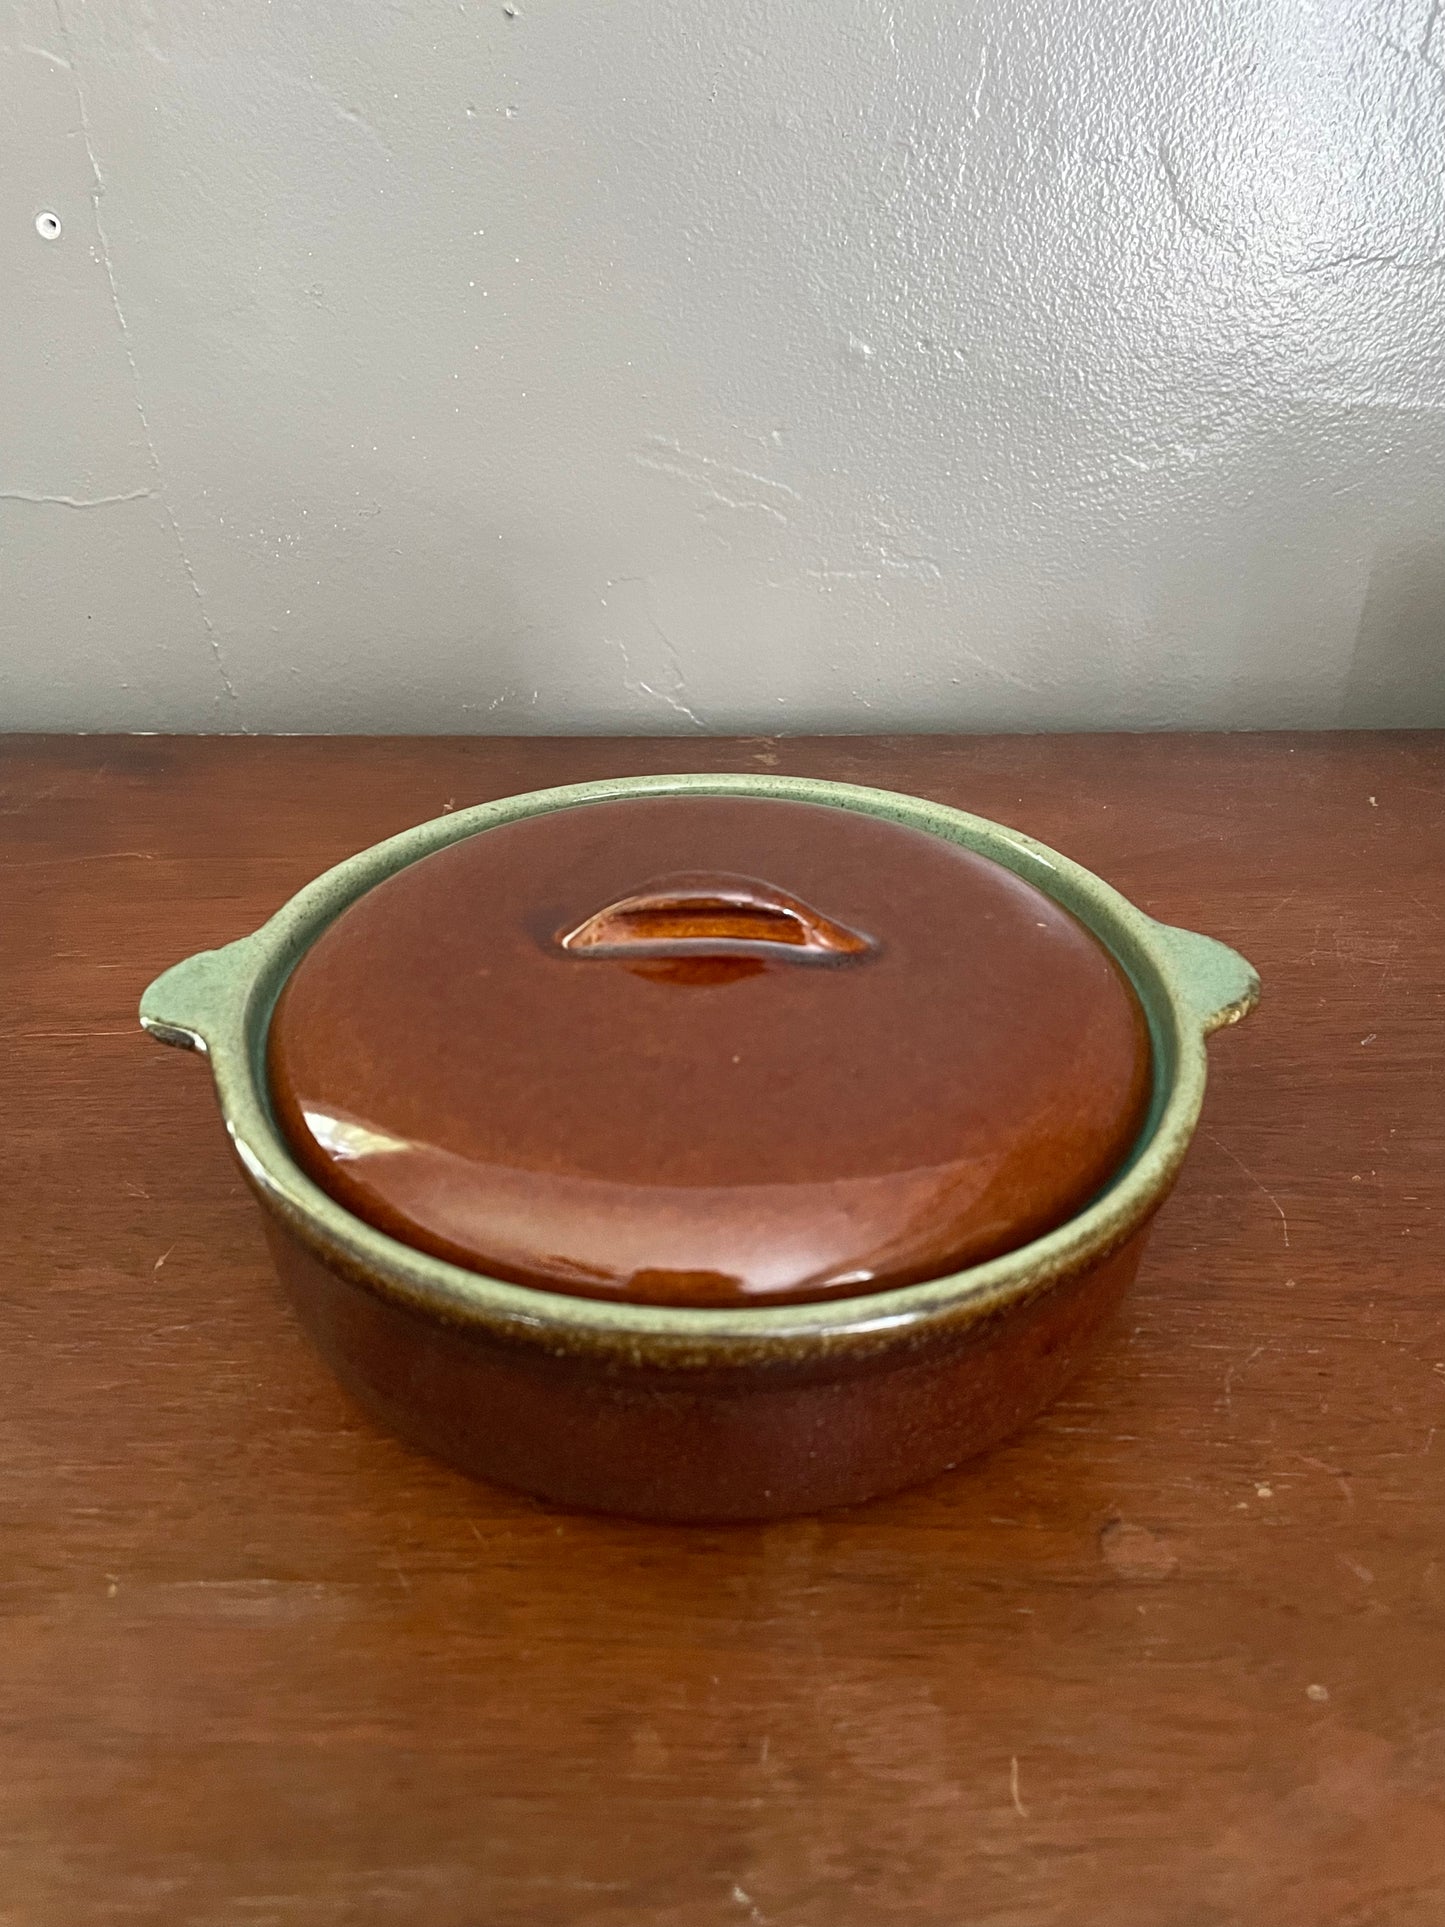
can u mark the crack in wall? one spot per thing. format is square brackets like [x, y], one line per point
[704, 472]
[665, 445]
[97, 192]
[718, 496]
[1184, 206]
[674, 701]
[44, 53]
[76, 501]
[634, 682]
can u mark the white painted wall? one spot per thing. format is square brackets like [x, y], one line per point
[661, 364]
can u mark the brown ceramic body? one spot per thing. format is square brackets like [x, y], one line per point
[736, 1443]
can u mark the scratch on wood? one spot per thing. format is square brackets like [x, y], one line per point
[1013, 1787]
[69, 1036]
[1289, 897]
[1233, 1372]
[1347, 1491]
[1284, 1221]
[94, 856]
[1362, 1573]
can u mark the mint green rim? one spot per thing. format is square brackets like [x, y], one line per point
[220, 1001]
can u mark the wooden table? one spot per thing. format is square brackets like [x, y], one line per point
[1173, 1658]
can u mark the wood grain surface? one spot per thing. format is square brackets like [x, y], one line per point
[1174, 1658]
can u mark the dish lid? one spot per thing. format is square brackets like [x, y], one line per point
[709, 1050]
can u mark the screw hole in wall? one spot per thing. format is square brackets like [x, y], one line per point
[47, 225]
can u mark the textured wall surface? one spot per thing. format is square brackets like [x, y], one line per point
[663, 365]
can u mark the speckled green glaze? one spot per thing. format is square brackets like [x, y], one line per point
[219, 1002]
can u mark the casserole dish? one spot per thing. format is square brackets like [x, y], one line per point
[707, 1147]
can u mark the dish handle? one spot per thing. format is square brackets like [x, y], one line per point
[1215, 981]
[201, 1001]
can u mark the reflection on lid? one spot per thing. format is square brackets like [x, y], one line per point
[668, 1243]
[344, 1138]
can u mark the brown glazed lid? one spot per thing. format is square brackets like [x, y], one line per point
[709, 1050]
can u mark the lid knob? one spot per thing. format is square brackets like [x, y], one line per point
[715, 915]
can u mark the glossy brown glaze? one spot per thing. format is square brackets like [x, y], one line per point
[649, 1443]
[713, 918]
[709, 1051]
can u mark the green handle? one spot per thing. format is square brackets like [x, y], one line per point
[1215, 980]
[196, 1003]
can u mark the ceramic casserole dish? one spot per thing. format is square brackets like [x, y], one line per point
[707, 1147]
